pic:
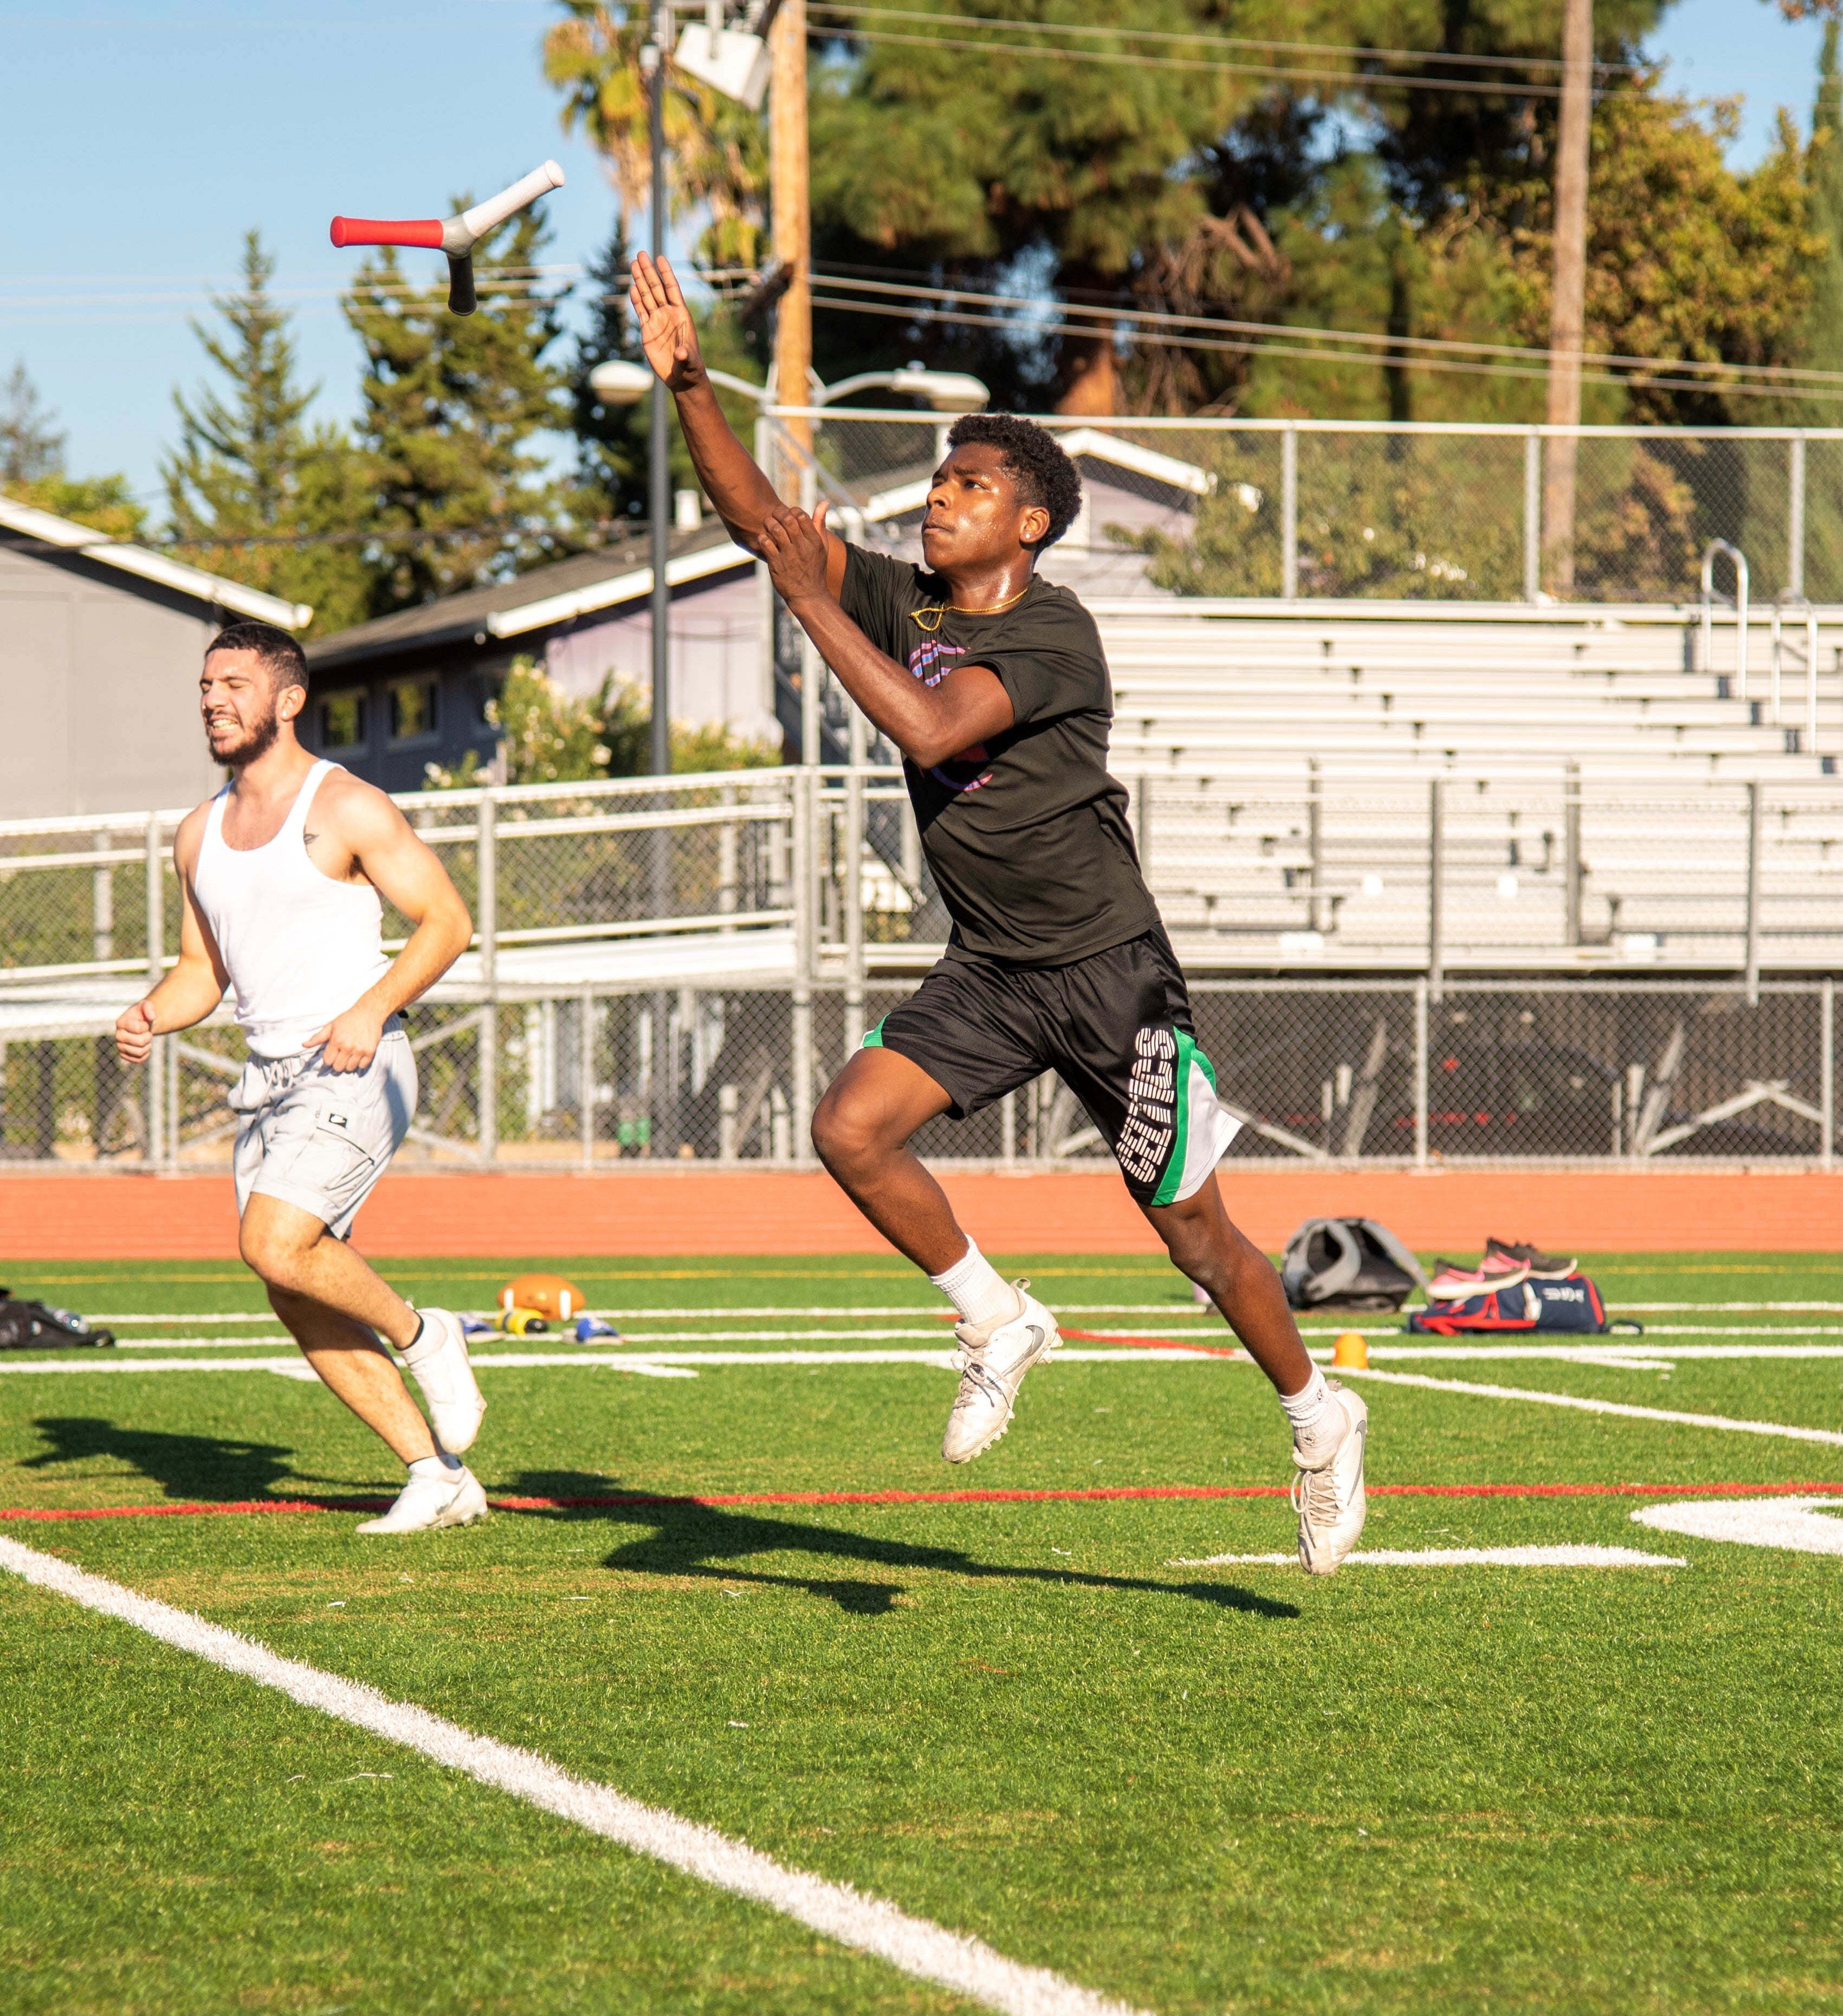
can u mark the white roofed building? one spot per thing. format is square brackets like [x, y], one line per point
[101, 641]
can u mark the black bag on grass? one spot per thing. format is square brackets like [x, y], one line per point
[1348, 1263]
[26, 1324]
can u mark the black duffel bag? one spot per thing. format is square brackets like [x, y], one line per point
[26, 1324]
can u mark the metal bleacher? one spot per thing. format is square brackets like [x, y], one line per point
[1603, 794]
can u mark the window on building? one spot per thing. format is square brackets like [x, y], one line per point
[414, 708]
[341, 718]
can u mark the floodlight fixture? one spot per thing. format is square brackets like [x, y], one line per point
[733, 60]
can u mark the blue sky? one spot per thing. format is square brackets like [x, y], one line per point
[139, 143]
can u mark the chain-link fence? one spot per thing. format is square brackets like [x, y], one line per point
[1430, 511]
[678, 970]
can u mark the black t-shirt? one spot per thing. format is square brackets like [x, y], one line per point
[1027, 834]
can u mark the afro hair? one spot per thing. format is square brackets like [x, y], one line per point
[1045, 475]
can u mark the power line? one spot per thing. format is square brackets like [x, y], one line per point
[1284, 73]
[1781, 375]
[1361, 51]
[1159, 339]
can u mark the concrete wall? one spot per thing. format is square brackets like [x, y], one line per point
[99, 696]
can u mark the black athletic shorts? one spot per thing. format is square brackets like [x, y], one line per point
[1115, 1026]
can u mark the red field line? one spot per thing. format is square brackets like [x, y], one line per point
[1152, 1343]
[1101, 1494]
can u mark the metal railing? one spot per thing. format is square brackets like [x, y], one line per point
[678, 966]
[1738, 560]
[1429, 510]
[1786, 599]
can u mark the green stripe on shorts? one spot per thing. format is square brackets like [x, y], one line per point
[873, 1038]
[1172, 1181]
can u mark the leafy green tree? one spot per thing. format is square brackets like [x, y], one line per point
[548, 736]
[254, 492]
[1685, 258]
[975, 162]
[451, 405]
[1819, 343]
[717, 149]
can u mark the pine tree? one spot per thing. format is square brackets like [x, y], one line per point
[611, 442]
[451, 404]
[31, 447]
[253, 492]
[32, 467]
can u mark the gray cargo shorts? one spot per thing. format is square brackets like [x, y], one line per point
[319, 1139]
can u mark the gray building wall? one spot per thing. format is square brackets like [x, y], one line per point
[99, 690]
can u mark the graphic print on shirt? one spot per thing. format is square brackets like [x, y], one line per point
[964, 771]
[1145, 1143]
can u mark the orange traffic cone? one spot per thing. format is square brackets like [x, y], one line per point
[1352, 1348]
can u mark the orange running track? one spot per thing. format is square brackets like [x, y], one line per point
[81, 1214]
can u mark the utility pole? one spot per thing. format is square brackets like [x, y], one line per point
[1567, 315]
[663, 1089]
[790, 202]
[652, 63]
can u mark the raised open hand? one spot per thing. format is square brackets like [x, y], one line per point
[795, 547]
[666, 332]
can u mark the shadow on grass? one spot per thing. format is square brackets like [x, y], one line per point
[212, 1469]
[687, 1538]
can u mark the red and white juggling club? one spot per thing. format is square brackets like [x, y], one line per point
[456, 235]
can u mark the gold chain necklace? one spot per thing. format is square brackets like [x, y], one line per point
[939, 613]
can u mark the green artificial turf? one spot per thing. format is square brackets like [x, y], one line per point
[1194, 1788]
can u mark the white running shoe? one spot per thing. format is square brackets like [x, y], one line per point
[992, 1360]
[1329, 1498]
[438, 1358]
[425, 1503]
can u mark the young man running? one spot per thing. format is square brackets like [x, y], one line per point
[992, 684]
[282, 872]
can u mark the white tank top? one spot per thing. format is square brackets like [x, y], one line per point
[299, 947]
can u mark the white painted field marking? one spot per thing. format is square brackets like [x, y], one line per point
[654, 1364]
[1460, 1557]
[1479, 1391]
[1793, 1524]
[1165, 1312]
[867, 1924]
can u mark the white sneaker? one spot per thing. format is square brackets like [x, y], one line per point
[1329, 1498]
[424, 1502]
[438, 1358]
[992, 1360]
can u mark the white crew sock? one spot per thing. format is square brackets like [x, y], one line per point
[441, 1467]
[1317, 1421]
[976, 1288]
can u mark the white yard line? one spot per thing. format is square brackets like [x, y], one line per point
[1479, 1391]
[1166, 1311]
[867, 1925]
[1801, 1525]
[653, 1363]
[1460, 1557]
